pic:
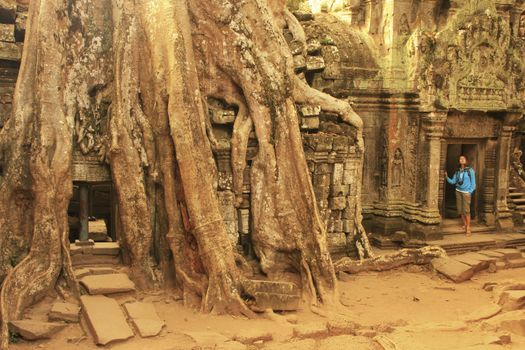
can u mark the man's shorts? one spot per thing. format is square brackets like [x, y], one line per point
[463, 203]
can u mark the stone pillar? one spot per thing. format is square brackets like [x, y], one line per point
[434, 125]
[503, 215]
[84, 212]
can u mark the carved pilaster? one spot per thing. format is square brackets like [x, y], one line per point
[433, 127]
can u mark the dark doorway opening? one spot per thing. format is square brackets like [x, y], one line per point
[92, 206]
[455, 150]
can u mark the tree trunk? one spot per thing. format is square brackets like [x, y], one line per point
[167, 57]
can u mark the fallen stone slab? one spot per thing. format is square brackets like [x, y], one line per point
[277, 302]
[106, 248]
[476, 264]
[144, 318]
[515, 263]
[511, 300]
[492, 254]
[342, 327]
[483, 313]
[453, 269]
[250, 336]
[481, 257]
[107, 284]
[513, 321]
[510, 253]
[105, 319]
[61, 311]
[35, 330]
[253, 286]
[313, 330]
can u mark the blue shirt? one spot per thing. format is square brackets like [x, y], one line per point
[462, 180]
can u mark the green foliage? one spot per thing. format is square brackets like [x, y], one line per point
[14, 337]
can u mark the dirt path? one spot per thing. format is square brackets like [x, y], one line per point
[403, 309]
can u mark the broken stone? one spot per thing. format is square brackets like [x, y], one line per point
[512, 300]
[310, 110]
[107, 284]
[275, 301]
[296, 47]
[399, 236]
[476, 264]
[513, 321]
[310, 330]
[310, 123]
[314, 63]
[313, 47]
[299, 63]
[35, 330]
[303, 15]
[337, 203]
[106, 248]
[510, 253]
[453, 269]
[105, 319]
[492, 253]
[483, 313]
[64, 312]
[251, 336]
[516, 263]
[144, 318]
[10, 51]
[7, 11]
[342, 326]
[7, 32]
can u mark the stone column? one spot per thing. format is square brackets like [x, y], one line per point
[434, 125]
[503, 215]
[84, 212]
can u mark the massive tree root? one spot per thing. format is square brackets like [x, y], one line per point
[386, 262]
[167, 58]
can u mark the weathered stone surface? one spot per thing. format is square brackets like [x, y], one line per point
[492, 253]
[7, 11]
[310, 330]
[105, 319]
[476, 264]
[106, 248]
[275, 301]
[512, 300]
[34, 330]
[510, 253]
[64, 312]
[7, 32]
[342, 326]
[250, 336]
[516, 263]
[313, 46]
[10, 51]
[107, 284]
[299, 63]
[513, 321]
[314, 63]
[453, 269]
[482, 313]
[145, 319]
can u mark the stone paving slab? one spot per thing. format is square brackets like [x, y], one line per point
[492, 253]
[35, 330]
[107, 284]
[477, 264]
[145, 319]
[105, 319]
[453, 269]
[61, 311]
[510, 253]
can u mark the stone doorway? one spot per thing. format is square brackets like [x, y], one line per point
[471, 150]
[92, 212]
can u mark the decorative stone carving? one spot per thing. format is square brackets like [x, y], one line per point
[398, 168]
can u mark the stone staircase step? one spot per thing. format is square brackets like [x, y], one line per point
[475, 263]
[515, 263]
[88, 270]
[510, 253]
[492, 253]
[107, 284]
[520, 207]
[518, 200]
[513, 189]
[90, 259]
[517, 194]
[61, 311]
[144, 318]
[105, 319]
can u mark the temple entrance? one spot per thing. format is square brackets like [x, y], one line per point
[454, 150]
[91, 212]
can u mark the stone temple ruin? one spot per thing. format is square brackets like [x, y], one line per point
[430, 79]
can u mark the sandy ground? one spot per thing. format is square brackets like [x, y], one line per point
[403, 309]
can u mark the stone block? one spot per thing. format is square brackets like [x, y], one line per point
[342, 326]
[244, 220]
[337, 175]
[348, 226]
[7, 11]
[310, 110]
[339, 190]
[310, 123]
[453, 269]
[296, 47]
[511, 300]
[64, 312]
[337, 203]
[513, 321]
[303, 15]
[106, 248]
[250, 336]
[492, 253]
[314, 63]
[7, 32]
[35, 330]
[107, 284]
[477, 265]
[274, 301]
[510, 253]
[515, 263]
[311, 330]
[313, 47]
[299, 63]
[144, 318]
[323, 168]
[222, 116]
[10, 51]
[105, 319]
[253, 286]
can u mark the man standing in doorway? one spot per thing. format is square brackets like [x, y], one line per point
[465, 181]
